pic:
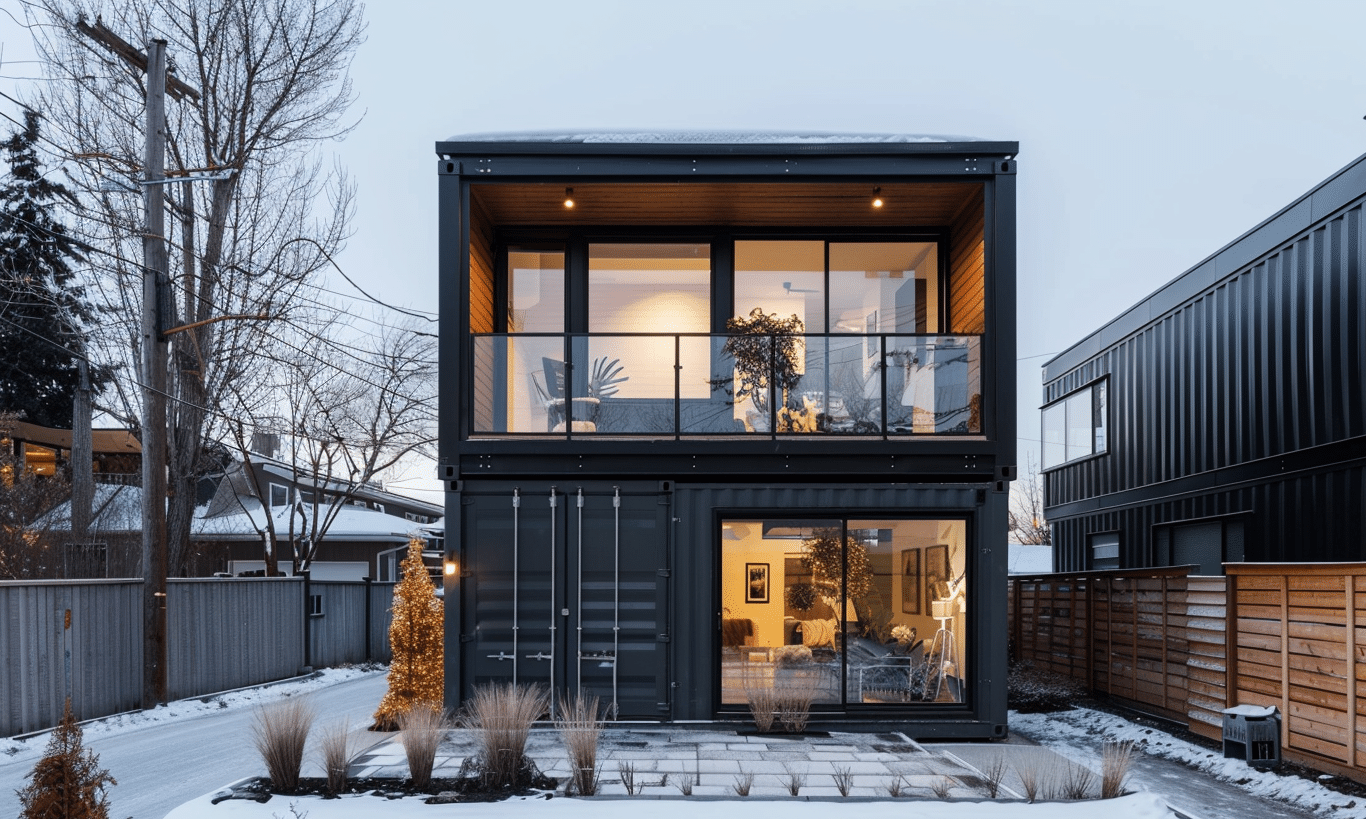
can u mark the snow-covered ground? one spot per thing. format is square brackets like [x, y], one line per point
[1078, 734]
[171, 754]
[1135, 806]
[179, 754]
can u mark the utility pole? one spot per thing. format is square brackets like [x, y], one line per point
[82, 458]
[157, 309]
[154, 354]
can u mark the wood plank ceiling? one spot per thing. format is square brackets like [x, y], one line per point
[793, 204]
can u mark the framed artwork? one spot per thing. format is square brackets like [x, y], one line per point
[910, 581]
[936, 569]
[756, 582]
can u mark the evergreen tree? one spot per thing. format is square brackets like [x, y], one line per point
[42, 311]
[68, 782]
[416, 638]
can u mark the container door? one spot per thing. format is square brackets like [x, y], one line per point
[569, 597]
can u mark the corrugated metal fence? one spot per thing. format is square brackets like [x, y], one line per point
[1188, 647]
[83, 639]
[342, 630]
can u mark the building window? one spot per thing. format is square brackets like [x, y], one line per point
[279, 495]
[1105, 550]
[315, 605]
[1074, 427]
[864, 611]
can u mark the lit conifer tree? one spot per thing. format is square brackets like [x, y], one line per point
[417, 641]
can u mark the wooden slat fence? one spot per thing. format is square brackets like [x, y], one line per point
[1123, 633]
[1288, 635]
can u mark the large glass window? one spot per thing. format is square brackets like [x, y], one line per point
[1075, 426]
[884, 287]
[657, 288]
[846, 611]
[783, 278]
[535, 291]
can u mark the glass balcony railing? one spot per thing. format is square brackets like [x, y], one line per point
[681, 385]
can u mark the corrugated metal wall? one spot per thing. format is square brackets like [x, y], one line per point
[221, 634]
[96, 660]
[1246, 397]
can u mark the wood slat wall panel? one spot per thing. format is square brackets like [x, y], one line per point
[483, 318]
[967, 268]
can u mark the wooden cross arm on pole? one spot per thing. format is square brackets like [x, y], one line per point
[101, 34]
[194, 324]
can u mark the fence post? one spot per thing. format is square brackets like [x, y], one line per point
[308, 621]
[1166, 655]
[369, 655]
[1230, 637]
[1351, 670]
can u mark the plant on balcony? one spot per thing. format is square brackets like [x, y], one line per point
[768, 353]
[604, 377]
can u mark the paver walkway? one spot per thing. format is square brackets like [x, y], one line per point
[667, 761]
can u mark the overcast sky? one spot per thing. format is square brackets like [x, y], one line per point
[1151, 133]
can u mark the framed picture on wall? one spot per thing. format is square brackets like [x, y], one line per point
[756, 582]
[910, 581]
[936, 570]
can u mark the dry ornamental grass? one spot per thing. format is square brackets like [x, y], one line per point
[501, 716]
[335, 747]
[280, 732]
[580, 729]
[1116, 759]
[421, 730]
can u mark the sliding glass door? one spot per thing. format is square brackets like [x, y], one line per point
[843, 611]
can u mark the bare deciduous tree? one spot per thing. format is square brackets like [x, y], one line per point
[339, 428]
[272, 77]
[1026, 521]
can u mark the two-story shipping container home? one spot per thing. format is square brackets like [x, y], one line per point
[727, 414]
[1222, 419]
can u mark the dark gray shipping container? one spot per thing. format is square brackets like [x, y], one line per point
[1236, 398]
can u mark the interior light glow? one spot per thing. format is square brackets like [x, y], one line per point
[569, 197]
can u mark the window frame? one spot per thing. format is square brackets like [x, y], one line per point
[1062, 403]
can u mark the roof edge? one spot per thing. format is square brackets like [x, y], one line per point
[956, 147]
[1137, 314]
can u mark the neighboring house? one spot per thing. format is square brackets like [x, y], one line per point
[665, 491]
[229, 530]
[116, 453]
[1223, 418]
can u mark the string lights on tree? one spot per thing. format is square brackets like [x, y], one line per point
[417, 639]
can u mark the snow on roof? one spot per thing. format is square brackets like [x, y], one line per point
[119, 509]
[1028, 559]
[350, 523]
[684, 137]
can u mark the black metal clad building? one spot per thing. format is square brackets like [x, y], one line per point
[638, 510]
[1226, 410]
